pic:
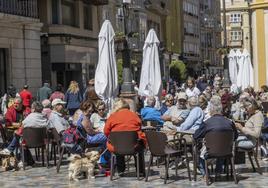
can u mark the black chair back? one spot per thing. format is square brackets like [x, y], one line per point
[264, 130]
[219, 144]
[157, 142]
[124, 142]
[53, 135]
[265, 106]
[35, 137]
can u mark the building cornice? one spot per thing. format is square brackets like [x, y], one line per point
[259, 5]
[240, 8]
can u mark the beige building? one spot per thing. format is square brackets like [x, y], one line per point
[20, 57]
[247, 27]
[238, 24]
[259, 20]
[69, 40]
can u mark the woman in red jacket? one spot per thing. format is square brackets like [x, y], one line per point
[122, 119]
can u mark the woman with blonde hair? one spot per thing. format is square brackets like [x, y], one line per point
[73, 97]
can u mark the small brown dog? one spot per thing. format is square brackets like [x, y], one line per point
[10, 163]
[85, 164]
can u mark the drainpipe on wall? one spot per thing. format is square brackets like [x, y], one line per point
[24, 55]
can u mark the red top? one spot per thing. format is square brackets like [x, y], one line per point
[12, 116]
[26, 97]
[123, 120]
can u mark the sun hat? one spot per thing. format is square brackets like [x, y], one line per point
[57, 101]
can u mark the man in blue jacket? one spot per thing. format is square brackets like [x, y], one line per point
[150, 113]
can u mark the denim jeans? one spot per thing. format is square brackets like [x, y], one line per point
[219, 166]
[99, 138]
[244, 142]
[14, 143]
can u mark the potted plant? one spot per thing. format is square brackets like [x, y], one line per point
[119, 37]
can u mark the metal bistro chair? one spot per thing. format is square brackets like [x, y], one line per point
[263, 142]
[265, 106]
[35, 138]
[159, 147]
[54, 140]
[252, 152]
[220, 146]
[124, 143]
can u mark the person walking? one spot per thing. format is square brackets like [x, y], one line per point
[57, 94]
[73, 97]
[44, 92]
[26, 96]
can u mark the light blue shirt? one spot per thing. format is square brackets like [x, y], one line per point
[56, 120]
[193, 120]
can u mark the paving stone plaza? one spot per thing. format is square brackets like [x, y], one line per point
[43, 177]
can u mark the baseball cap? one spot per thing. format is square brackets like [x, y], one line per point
[181, 95]
[57, 101]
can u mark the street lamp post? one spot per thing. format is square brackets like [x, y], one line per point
[127, 88]
[226, 80]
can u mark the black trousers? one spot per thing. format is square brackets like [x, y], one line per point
[121, 166]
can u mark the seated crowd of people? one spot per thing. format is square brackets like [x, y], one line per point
[203, 109]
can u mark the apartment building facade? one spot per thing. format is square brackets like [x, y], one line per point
[238, 24]
[20, 58]
[210, 36]
[191, 35]
[69, 40]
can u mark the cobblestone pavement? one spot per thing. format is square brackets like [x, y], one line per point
[43, 177]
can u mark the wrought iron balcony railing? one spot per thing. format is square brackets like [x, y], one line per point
[26, 8]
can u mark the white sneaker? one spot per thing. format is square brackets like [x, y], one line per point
[264, 150]
[5, 152]
[20, 164]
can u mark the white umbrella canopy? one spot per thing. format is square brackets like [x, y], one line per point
[240, 63]
[150, 80]
[106, 84]
[233, 66]
[247, 74]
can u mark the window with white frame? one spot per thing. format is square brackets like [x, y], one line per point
[236, 35]
[235, 18]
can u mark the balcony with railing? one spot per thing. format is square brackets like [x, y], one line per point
[26, 8]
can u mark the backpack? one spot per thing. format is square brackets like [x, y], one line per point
[71, 135]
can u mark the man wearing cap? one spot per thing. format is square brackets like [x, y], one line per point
[176, 114]
[26, 96]
[56, 118]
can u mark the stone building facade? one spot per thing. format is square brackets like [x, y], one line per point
[20, 57]
[69, 40]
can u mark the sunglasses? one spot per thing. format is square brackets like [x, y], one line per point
[101, 109]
